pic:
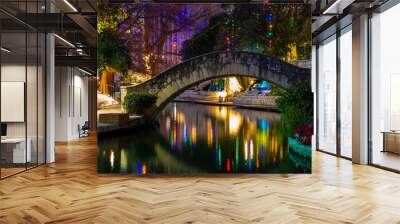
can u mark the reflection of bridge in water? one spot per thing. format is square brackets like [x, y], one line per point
[169, 160]
[193, 138]
[206, 116]
[170, 83]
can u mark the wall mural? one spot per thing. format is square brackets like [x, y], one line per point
[204, 88]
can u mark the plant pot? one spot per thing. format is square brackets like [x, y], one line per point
[300, 149]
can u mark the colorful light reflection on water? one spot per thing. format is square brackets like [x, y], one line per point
[193, 138]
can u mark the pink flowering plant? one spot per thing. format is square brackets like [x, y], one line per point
[303, 133]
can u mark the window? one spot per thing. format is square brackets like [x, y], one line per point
[385, 89]
[346, 92]
[327, 95]
[22, 77]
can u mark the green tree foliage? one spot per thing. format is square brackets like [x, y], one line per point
[138, 102]
[108, 17]
[112, 52]
[296, 105]
[289, 29]
[250, 32]
[204, 41]
[276, 90]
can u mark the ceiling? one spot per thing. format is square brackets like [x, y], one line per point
[73, 21]
[328, 16]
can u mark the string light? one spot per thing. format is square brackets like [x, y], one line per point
[230, 31]
[269, 21]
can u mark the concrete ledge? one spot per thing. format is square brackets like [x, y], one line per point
[108, 128]
[260, 107]
[254, 106]
[118, 119]
[262, 102]
[204, 102]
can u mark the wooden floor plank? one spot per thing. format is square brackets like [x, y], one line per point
[71, 191]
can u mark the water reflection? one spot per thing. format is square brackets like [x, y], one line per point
[193, 138]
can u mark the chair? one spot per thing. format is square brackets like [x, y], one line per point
[84, 130]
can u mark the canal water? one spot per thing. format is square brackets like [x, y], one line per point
[201, 139]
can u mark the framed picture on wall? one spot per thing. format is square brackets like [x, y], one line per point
[12, 101]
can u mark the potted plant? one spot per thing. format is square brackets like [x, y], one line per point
[300, 141]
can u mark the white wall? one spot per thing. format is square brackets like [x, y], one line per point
[71, 102]
[16, 73]
[61, 103]
[12, 73]
[33, 126]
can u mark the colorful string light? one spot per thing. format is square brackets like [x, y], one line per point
[269, 21]
[230, 31]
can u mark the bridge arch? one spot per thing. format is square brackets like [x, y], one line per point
[173, 81]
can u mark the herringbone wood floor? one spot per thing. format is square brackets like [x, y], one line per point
[70, 191]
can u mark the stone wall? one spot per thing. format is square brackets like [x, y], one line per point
[114, 118]
[267, 102]
[302, 63]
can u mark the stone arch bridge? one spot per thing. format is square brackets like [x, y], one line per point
[173, 81]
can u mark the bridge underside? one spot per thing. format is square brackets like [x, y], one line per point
[172, 82]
